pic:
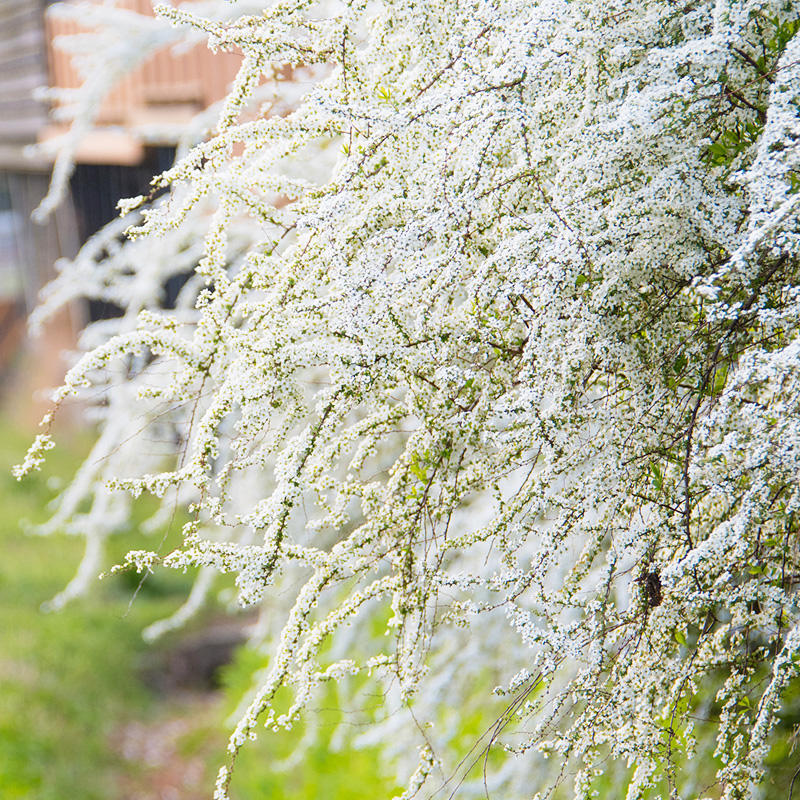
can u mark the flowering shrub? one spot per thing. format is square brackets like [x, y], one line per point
[490, 347]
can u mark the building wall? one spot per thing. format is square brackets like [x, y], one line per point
[23, 68]
[171, 79]
[168, 88]
[27, 250]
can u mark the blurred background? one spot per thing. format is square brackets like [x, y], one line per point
[86, 708]
[139, 123]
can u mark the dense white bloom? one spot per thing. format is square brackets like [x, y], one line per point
[494, 334]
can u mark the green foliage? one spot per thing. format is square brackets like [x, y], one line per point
[733, 141]
[325, 770]
[740, 134]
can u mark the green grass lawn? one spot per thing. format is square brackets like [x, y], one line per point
[67, 679]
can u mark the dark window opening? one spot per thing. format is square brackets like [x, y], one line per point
[96, 189]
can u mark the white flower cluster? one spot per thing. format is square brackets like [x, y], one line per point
[492, 334]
